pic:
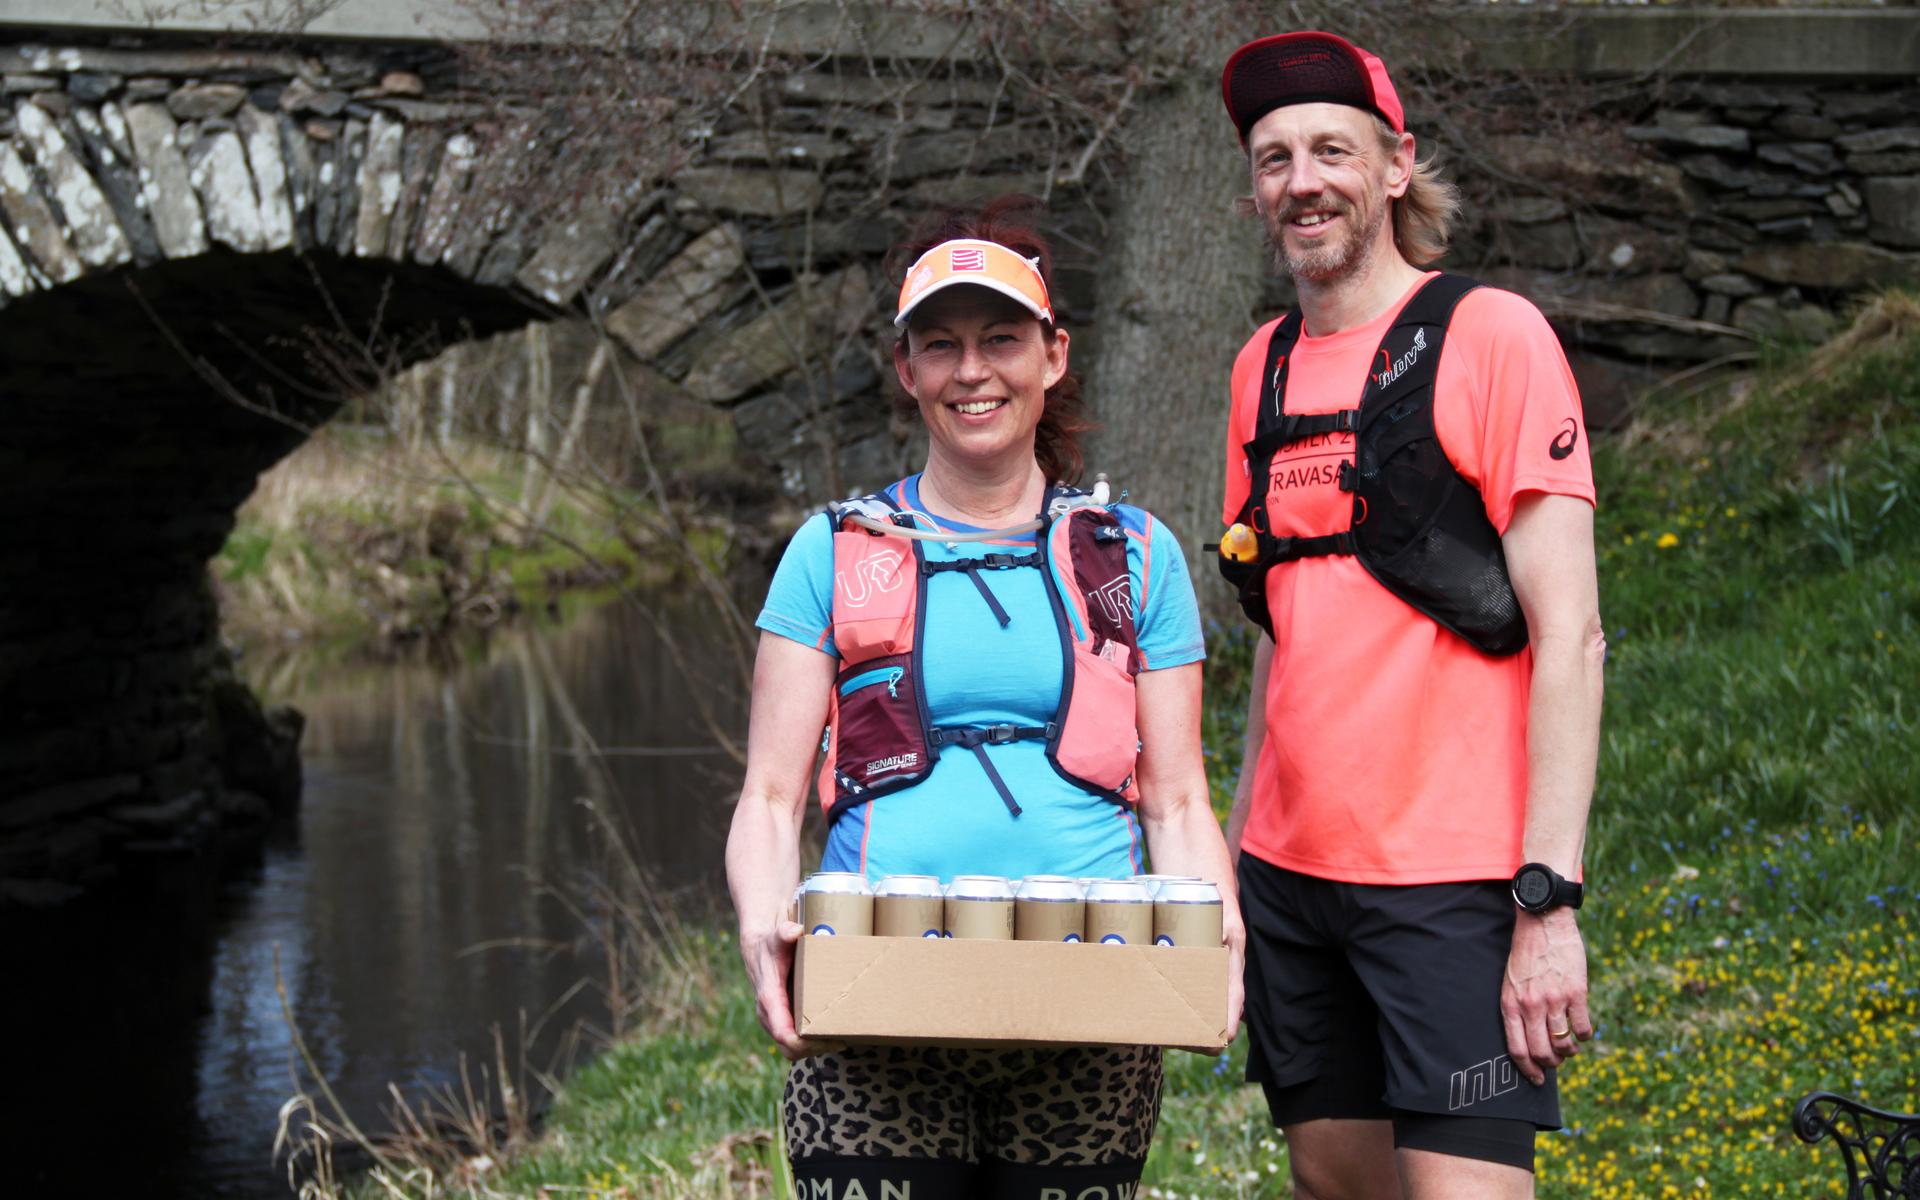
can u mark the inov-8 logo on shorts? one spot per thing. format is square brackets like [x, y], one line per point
[1482, 1081]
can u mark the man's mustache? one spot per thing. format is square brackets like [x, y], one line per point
[1316, 204]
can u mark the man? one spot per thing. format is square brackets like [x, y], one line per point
[1407, 449]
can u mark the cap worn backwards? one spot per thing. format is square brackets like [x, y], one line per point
[1302, 68]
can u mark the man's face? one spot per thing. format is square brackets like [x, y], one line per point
[1323, 184]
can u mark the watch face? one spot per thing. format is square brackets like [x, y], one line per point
[1532, 888]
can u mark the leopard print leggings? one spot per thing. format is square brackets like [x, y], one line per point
[1080, 1106]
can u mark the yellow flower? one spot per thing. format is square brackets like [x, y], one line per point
[1668, 540]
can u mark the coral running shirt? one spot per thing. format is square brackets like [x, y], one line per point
[1395, 752]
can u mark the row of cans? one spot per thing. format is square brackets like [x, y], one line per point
[1163, 910]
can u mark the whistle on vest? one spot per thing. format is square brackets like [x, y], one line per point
[1239, 544]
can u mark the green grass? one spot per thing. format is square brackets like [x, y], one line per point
[1752, 926]
[686, 1108]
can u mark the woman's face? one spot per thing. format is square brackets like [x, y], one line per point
[979, 365]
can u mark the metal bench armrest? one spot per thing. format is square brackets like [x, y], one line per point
[1881, 1149]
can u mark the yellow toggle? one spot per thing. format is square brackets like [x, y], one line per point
[1239, 544]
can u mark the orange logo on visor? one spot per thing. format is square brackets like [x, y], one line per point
[984, 264]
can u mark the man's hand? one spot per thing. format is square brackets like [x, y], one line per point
[769, 959]
[1544, 998]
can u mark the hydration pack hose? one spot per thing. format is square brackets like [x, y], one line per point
[936, 535]
[1100, 493]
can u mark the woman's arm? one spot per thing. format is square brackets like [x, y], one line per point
[791, 683]
[1183, 837]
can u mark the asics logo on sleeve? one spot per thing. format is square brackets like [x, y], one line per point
[1563, 442]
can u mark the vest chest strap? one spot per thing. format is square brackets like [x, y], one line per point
[978, 737]
[1288, 428]
[1287, 549]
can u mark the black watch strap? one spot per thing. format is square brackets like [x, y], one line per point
[1538, 888]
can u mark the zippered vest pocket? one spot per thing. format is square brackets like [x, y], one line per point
[878, 739]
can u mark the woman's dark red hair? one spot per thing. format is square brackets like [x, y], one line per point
[1011, 221]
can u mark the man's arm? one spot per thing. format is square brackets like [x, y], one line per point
[1256, 738]
[1550, 558]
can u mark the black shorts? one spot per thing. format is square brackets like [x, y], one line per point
[1386, 998]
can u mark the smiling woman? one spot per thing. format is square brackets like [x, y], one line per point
[1048, 642]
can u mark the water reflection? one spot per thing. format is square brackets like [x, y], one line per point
[401, 907]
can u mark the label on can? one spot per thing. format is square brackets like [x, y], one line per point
[836, 904]
[1119, 913]
[1188, 913]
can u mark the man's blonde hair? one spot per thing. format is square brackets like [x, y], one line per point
[1422, 217]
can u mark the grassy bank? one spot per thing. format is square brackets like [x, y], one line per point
[357, 542]
[1752, 924]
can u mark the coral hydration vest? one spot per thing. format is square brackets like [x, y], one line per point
[1418, 527]
[879, 737]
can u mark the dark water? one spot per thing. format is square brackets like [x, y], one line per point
[149, 1055]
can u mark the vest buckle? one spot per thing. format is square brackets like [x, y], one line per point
[1345, 479]
[1001, 735]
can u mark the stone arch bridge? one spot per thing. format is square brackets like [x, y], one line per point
[198, 249]
[201, 237]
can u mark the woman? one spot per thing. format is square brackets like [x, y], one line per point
[1027, 783]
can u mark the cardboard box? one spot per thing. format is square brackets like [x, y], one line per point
[968, 992]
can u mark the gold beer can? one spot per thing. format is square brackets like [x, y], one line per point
[1153, 882]
[1049, 908]
[836, 904]
[1119, 913]
[980, 906]
[1187, 912]
[909, 906]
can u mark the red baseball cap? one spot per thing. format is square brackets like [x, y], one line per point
[1300, 68]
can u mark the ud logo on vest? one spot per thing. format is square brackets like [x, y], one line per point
[879, 573]
[1115, 597]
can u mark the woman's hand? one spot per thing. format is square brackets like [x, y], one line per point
[769, 958]
[1236, 933]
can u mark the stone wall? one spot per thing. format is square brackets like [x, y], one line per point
[1706, 218]
[196, 241]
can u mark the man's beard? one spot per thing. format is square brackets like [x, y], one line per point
[1318, 263]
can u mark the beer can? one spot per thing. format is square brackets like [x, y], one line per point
[836, 903]
[1119, 913]
[980, 906]
[1049, 908]
[1188, 913]
[909, 906]
[1153, 882]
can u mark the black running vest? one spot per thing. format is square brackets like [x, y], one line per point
[1417, 527]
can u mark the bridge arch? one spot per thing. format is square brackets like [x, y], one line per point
[203, 254]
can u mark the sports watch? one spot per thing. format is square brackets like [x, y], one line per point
[1538, 888]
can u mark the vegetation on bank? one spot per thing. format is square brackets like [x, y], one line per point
[360, 542]
[1752, 921]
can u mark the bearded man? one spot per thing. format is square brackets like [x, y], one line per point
[1407, 458]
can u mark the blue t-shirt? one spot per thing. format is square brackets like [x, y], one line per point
[979, 673]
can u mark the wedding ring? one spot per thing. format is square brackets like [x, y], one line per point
[1557, 1034]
